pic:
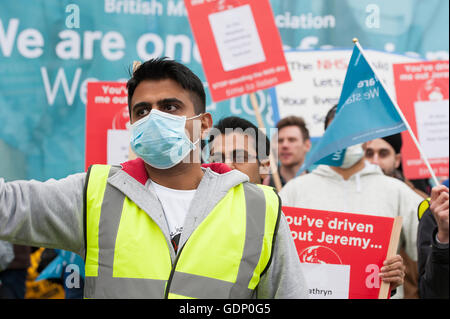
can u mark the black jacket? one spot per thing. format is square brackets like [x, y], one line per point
[432, 260]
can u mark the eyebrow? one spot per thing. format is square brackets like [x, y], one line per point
[160, 102]
[216, 154]
[234, 152]
[240, 151]
[377, 149]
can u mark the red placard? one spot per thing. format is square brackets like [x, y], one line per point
[422, 94]
[341, 252]
[239, 44]
[106, 115]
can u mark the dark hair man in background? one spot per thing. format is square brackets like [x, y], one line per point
[386, 153]
[242, 146]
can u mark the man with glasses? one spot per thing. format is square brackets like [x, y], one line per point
[242, 146]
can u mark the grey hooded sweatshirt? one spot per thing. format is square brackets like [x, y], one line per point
[50, 214]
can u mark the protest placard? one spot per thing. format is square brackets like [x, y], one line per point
[239, 44]
[423, 95]
[107, 120]
[342, 253]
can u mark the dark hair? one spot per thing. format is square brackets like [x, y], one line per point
[163, 68]
[294, 121]
[395, 141]
[233, 123]
[330, 116]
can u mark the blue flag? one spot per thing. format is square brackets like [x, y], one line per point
[365, 112]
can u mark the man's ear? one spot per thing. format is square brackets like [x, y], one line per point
[308, 145]
[398, 160]
[364, 146]
[264, 168]
[207, 124]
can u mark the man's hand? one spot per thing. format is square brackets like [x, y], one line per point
[393, 271]
[439, 208]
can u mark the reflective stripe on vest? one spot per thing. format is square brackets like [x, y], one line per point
[127, 255]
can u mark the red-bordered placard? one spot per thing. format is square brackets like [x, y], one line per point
[342, 253]
[423, 96]
[239, 44]
[107, 118]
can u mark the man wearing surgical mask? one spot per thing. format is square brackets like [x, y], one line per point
[162, 225]
[360, 187]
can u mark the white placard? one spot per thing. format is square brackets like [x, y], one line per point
[432, 118]
[326, 281]
[237, 38]
[118, 146]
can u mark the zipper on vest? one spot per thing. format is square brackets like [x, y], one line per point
[169, 281]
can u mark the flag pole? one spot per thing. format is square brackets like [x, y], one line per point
[273, 166]
[424, 157]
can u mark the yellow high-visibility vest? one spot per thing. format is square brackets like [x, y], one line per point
[127, 254]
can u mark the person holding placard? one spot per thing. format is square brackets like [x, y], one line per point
[432, 243]
[386, 153]
[360, 187]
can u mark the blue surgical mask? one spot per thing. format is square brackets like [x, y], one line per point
[160, 139]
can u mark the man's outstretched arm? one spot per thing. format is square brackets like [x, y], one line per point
[43, 214]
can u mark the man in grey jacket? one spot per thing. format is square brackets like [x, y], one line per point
[176, 192]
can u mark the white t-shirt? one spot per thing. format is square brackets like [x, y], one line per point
[175, 204]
